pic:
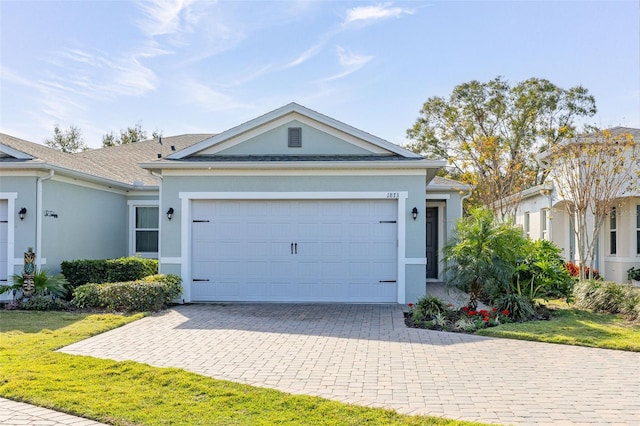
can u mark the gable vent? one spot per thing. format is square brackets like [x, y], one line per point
[295, 137]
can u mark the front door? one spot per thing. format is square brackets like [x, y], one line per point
[432, 242]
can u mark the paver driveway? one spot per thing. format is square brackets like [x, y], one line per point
[364, 354]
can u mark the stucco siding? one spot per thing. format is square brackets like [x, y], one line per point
[90, 224]
[24, 231]
[275, 141]
[414, 185]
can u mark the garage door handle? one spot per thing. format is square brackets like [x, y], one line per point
[291, 248]
[296, 247]
[200, 279]
[387, 281]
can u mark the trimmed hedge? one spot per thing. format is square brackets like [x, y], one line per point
[149, 294]
[79, 272]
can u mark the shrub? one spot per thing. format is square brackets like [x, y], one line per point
[574, 271]
[149, 294]
[482, 255]
[426, 308]
[44, 303]
[519, 307]
[79, 272]
[542, 273]
[633, 273]
[609, 297]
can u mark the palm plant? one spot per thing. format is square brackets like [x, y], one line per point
[44, 284]
[482, 255]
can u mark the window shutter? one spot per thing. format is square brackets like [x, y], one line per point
[295, 137]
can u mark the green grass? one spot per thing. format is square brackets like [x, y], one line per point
[129, 393]
[572, 326]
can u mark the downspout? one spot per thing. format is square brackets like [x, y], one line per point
[464, 197]
[39, 216]
[159, 177]
[550, 216]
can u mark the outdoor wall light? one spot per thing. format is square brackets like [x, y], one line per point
[170, 213]
[22, 213]
[414, 213]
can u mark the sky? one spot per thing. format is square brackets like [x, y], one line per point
[183, 66]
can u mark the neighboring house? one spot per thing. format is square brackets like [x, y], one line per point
[542, 214]
[291, 206]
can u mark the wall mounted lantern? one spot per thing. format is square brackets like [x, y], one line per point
[414, 213]
[170, 213]
[22, 213]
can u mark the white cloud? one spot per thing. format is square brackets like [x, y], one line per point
[165, 16]
[350, 63]
[208, 98]
[373, 13]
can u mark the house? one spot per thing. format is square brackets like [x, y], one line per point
[292, 206]
[542, 213]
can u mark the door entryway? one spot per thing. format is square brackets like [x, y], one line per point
[432, 242]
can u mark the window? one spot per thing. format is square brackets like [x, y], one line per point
[527, 223]
[637, 229]
[613, 228]
[295, 137]
[543, 224]
[146, 230]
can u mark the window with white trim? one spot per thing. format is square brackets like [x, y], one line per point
[613, 232]
[146, 230]
[543, 224]
[527, 224]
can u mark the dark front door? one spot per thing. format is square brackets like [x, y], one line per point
[432, 242]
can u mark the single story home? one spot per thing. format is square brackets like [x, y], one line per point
[542, 212]
[292, 206]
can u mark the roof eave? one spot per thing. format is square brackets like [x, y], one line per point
[385, 164]
[75, 174]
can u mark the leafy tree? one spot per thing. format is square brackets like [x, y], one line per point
[592, 173]
[67, 140]
[490, 133]
[129, 135]
[482, 254]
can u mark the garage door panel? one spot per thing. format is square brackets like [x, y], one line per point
[340, 251]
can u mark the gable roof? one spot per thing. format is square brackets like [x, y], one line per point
[591, 137]
[443, 183]
[116, 165]
[293, 108]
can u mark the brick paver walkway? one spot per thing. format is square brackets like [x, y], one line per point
[14, 413]
[363, 354]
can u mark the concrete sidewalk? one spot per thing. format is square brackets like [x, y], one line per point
[14, 413]
[364, 354]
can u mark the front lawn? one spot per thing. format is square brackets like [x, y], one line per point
[129, 393]
[572, 326]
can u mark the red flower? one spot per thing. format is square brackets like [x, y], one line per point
[484, 312]
[465, 308]
[485, 319]
[505, 312]
[472, 313]
[494, 310]
[411, 305]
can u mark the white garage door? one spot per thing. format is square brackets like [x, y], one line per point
[294, 251]
[4, 242]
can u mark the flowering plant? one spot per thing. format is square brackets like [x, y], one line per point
[438, 316]
[485, 318]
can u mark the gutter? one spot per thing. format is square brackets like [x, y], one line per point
[39, 215]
